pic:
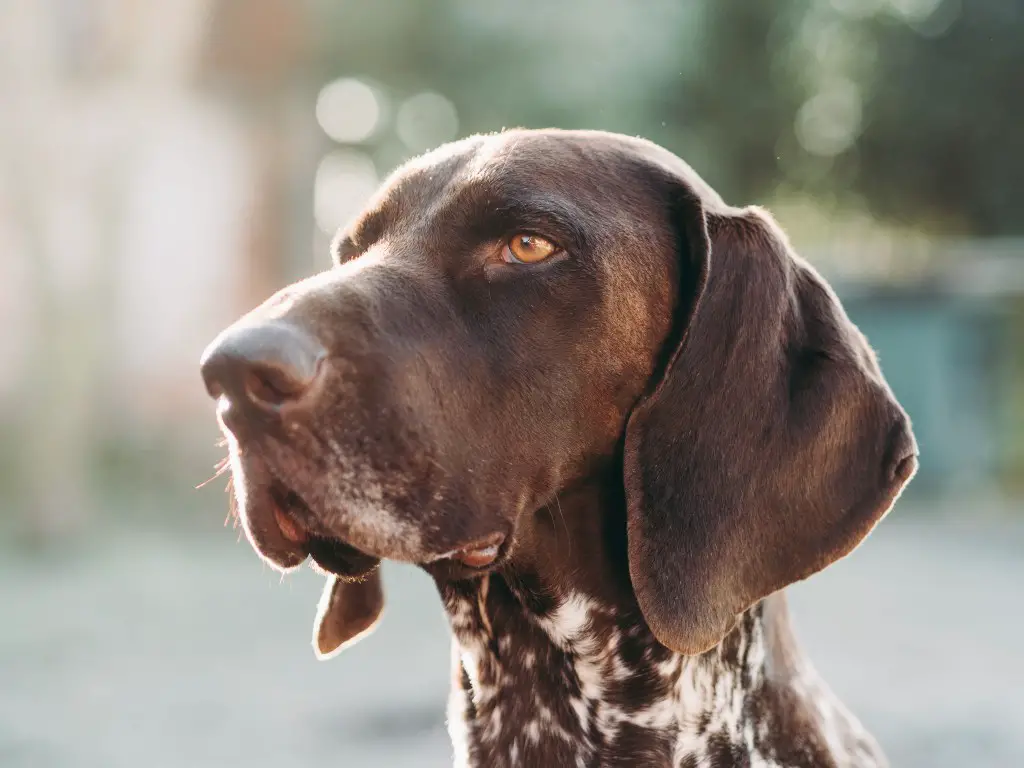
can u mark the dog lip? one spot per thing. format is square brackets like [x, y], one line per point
[268, 513]
[289, 527]
[477, 554]
[478, 558]
[335, 556]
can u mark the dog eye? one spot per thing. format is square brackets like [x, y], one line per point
[527, 249]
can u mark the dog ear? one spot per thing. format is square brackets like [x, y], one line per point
[768, 446]
[348, 611]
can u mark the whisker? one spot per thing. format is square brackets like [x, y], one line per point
[565, 525]
[220, 468]
[232, 504]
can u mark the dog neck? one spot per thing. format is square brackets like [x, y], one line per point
[572, 676]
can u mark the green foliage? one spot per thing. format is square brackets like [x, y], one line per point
[945, 123]
[910, 108]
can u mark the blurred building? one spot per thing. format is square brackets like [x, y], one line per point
[951, 344]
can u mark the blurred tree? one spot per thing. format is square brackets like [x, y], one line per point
[912, 105]
[734, 105]
[66, 146]
[103, 73]
[63, 162]
[944, 122]
[531, 64]
[256, 53]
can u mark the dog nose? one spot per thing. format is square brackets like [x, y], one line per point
[267, 364]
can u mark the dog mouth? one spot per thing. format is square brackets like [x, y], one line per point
[330, 554]
[284, 529]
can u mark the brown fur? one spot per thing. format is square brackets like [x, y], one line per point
[673, 418]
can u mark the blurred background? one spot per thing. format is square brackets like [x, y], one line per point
[166, 165]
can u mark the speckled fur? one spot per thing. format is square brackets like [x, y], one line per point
[571, 682]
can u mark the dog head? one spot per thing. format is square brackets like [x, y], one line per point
[514, 313]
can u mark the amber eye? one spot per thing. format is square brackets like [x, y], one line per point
[528, 249]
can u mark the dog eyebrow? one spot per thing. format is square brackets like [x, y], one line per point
[545, 214]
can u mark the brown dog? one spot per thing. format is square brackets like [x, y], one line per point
[609, 414]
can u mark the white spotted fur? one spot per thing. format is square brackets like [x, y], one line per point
[701, 690]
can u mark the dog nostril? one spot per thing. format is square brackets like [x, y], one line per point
[267, 364]
[275, 386]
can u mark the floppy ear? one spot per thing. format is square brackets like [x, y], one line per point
[770, 444]
[348, 611]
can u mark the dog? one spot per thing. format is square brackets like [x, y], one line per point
[612, 416]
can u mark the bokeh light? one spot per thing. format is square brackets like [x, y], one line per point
[915, 10]
[426, 120]
[858, 9]
[344, 181]
[828, 123]
[349, 110]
